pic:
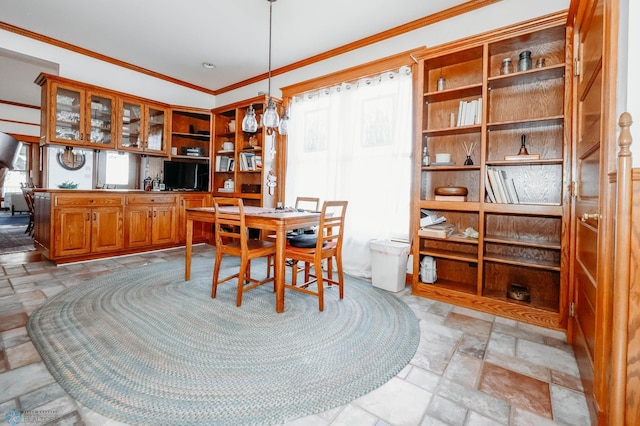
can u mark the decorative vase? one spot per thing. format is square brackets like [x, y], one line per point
[468, 161]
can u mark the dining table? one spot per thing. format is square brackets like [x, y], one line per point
[271, 220]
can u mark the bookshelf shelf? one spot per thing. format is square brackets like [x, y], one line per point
[522, 234]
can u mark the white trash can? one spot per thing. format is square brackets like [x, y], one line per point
[388, 264]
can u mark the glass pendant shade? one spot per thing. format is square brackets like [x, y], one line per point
[270, 118]
[249, 122]
[283, 128]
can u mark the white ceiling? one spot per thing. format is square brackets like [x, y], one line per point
[174, 38]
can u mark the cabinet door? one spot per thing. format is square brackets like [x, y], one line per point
[163, 225]
[100, 119]
[107, 231]
[130, 116]
[66, 115]
[156, 130]
[72, 230]
[138, 226]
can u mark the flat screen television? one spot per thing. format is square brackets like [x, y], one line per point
[186, 175]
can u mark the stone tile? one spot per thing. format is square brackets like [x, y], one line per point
[30, 279]
[425, 379]
[521, 417]
[41, 396]
[70, 419]
[447, 411]
[353, 415]
[477, 419]
[14, 337]
[516, 388]
[464, 370]
[427, 420]
[569, 407]
[24, 380]
[396, 402]
[8, 322]
[502, 344]
[474, 314]
[566, 380]
[553, 358]
[21, 355]
[520, 366]
[475, 400]
[474, 346]
[514, 331]
[440, 309]
[546, 332]
[4, 364]
[434, 350]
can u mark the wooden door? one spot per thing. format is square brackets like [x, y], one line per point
[164, 225]
[138, 226]
[107, 231]
[594, 146]
[72, 230]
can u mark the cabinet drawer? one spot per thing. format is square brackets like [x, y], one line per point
[88, 200]
[151, 199]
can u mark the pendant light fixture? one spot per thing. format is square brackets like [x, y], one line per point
[270, 119]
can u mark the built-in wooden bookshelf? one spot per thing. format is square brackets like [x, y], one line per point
[520, 239]
[243, 162]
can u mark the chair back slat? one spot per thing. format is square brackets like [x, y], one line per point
[331, 227]
[229, 222]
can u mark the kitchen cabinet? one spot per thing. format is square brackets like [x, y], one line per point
[85, 224]
[142, 127]
[76, 115]
[151, 220]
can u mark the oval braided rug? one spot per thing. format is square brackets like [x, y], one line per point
[145, 347]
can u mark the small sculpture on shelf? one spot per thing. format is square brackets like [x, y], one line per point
[468, 149]
[523, 154]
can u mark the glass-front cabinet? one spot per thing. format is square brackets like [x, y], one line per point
[142, 127]
[80, 117]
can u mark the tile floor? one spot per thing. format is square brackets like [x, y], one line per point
[470, 368]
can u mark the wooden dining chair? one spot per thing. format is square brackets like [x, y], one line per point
[328, 245]
[308, 203]
[232, 238]
[27, 192]
[302, 203]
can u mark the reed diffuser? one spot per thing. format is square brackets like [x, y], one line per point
[468, 149]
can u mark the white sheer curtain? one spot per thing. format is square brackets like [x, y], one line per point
[353, 142]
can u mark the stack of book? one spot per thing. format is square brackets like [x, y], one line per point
[470, 112]
[501, 189]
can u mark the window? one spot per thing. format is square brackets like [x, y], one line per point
[353, 142]
[20, 173]
[117, 168]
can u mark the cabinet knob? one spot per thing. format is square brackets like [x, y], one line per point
[590, 216]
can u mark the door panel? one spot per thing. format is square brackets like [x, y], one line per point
[107, 229]
[589, 322]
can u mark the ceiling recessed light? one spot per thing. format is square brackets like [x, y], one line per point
[208, 65]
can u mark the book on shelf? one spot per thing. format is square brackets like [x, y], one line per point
[469, 112]
[450, 197]
[501, 188]
[224, 163]
[437, 231]
[430, 218]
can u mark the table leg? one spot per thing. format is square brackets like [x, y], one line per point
[187, 259]
[279, 266]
